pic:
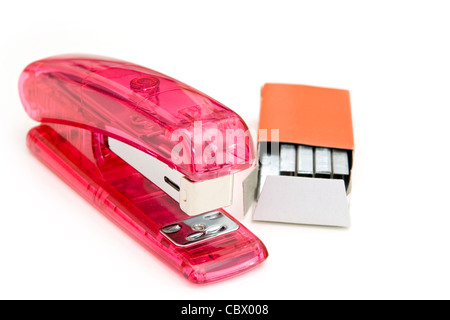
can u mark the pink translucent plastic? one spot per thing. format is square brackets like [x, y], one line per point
[141, 107]
[83, 100]
[83, 159]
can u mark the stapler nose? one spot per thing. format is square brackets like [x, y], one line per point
[194, 197]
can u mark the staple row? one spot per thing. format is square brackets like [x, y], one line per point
[304, 161]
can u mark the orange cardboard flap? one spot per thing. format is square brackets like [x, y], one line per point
[308, 115]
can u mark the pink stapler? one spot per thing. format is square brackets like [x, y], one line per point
[153, 154]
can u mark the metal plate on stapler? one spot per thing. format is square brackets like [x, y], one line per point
[199, 228]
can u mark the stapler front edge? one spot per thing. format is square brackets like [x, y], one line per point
[153, 154]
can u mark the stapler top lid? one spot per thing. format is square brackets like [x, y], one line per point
[200, 142]
[141, 107]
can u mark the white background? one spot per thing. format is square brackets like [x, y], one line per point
[393, 56]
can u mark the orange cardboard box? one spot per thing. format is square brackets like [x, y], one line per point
[308, 115]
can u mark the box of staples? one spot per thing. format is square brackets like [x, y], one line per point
[306, 149]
